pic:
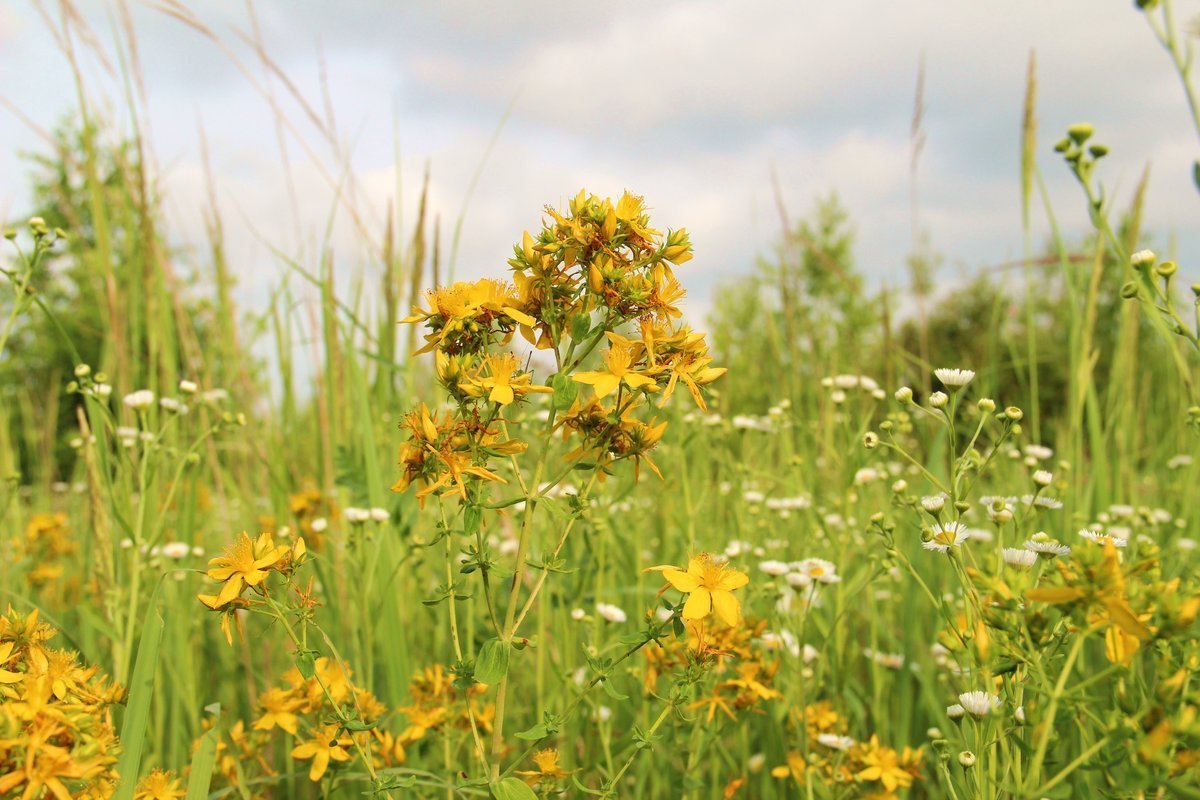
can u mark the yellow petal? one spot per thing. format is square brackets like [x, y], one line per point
[732, 579]
[727, 607]
[683, 581]
[699, 604]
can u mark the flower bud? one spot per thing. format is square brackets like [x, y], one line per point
[1166, 269]
[1014, 413]
[939, 399]
[1080, 132]
[1129, 291]
[1142, 259]
[966, 758]
[986, 404]
[904, 395]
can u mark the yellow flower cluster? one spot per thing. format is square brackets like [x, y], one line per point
[45, 545]
[438, 703]
[56, 732]
[835, 759]
[245, 565]
[585, 275]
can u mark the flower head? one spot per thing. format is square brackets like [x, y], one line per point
[709, 585]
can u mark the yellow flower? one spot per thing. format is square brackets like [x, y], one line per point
[710, 585]
[325, 746]
[246, 563]
[502, 383]
[619, 361]
[158, 785]
[278, 706]
[886, 765]
[548, 768]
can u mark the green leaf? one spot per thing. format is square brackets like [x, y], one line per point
[203, 761]
[512, 789]
[1196, 173]
[612, 690]
[492, 664]
[137, 710]
[533, 734]
[581, 326]
[565, 391]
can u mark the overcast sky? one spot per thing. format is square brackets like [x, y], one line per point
[692, 104]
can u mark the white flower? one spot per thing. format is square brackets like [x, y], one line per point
[380, 514]
[357, 515]
[319, 524]
[751, 496]
[756, 761]
[1041, 543]
[188, 387]
[867, 474]
[774, 568]
[979, 704]
[954, 378]
[102, 389]
[214, 396]
[1043, 478]
[604, 713]
[610, 612]
[1142, 258]
[933, 503]
[810, 654]
[173, 405]
[946, 535]
[904, 395]
[1121, 511]
[798, 580]
[176, 550]
[737, 547]
[784, 640]
[1185, 544]
[1103, 538]
[1020, 558]
[955, 711]
[126, 543]
[889, 660]
[1179, 461]
[818, 569]
[140, 400]
[577, 614]
[1038, 452]
[939, 399]
[980, 534]
[835, 741]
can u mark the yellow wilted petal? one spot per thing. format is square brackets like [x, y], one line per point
[1054, 594]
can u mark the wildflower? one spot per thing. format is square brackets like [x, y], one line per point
[955, 711]
[140, 400]
[1042, 544]
[1104, 538]
[547, 765]
[380, 514]
[1037, 451]
[904, 395]
[946, 535]
[710, 586]
[938, 400]
[1019, 557]
[160, 784]
[578, 614]
[1043, 478]
[933, 504]
[610, 612]
[817, 569]
[774, 568]
[502, 383]
[176, 550]
[1142, 259]
[279, 707]
[246, 563]
[327, 744]
[619, 361]
[885, 765]
[835, 741]
[954, 378]
[870, 440]
[188, 387]
[966, 758]
[979, 704]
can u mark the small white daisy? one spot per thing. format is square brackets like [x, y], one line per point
[1019, 557]
[946, 535]
[954, 378]
[610, 612]
[979, 704]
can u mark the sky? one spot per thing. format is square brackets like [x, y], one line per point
[702, 107]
